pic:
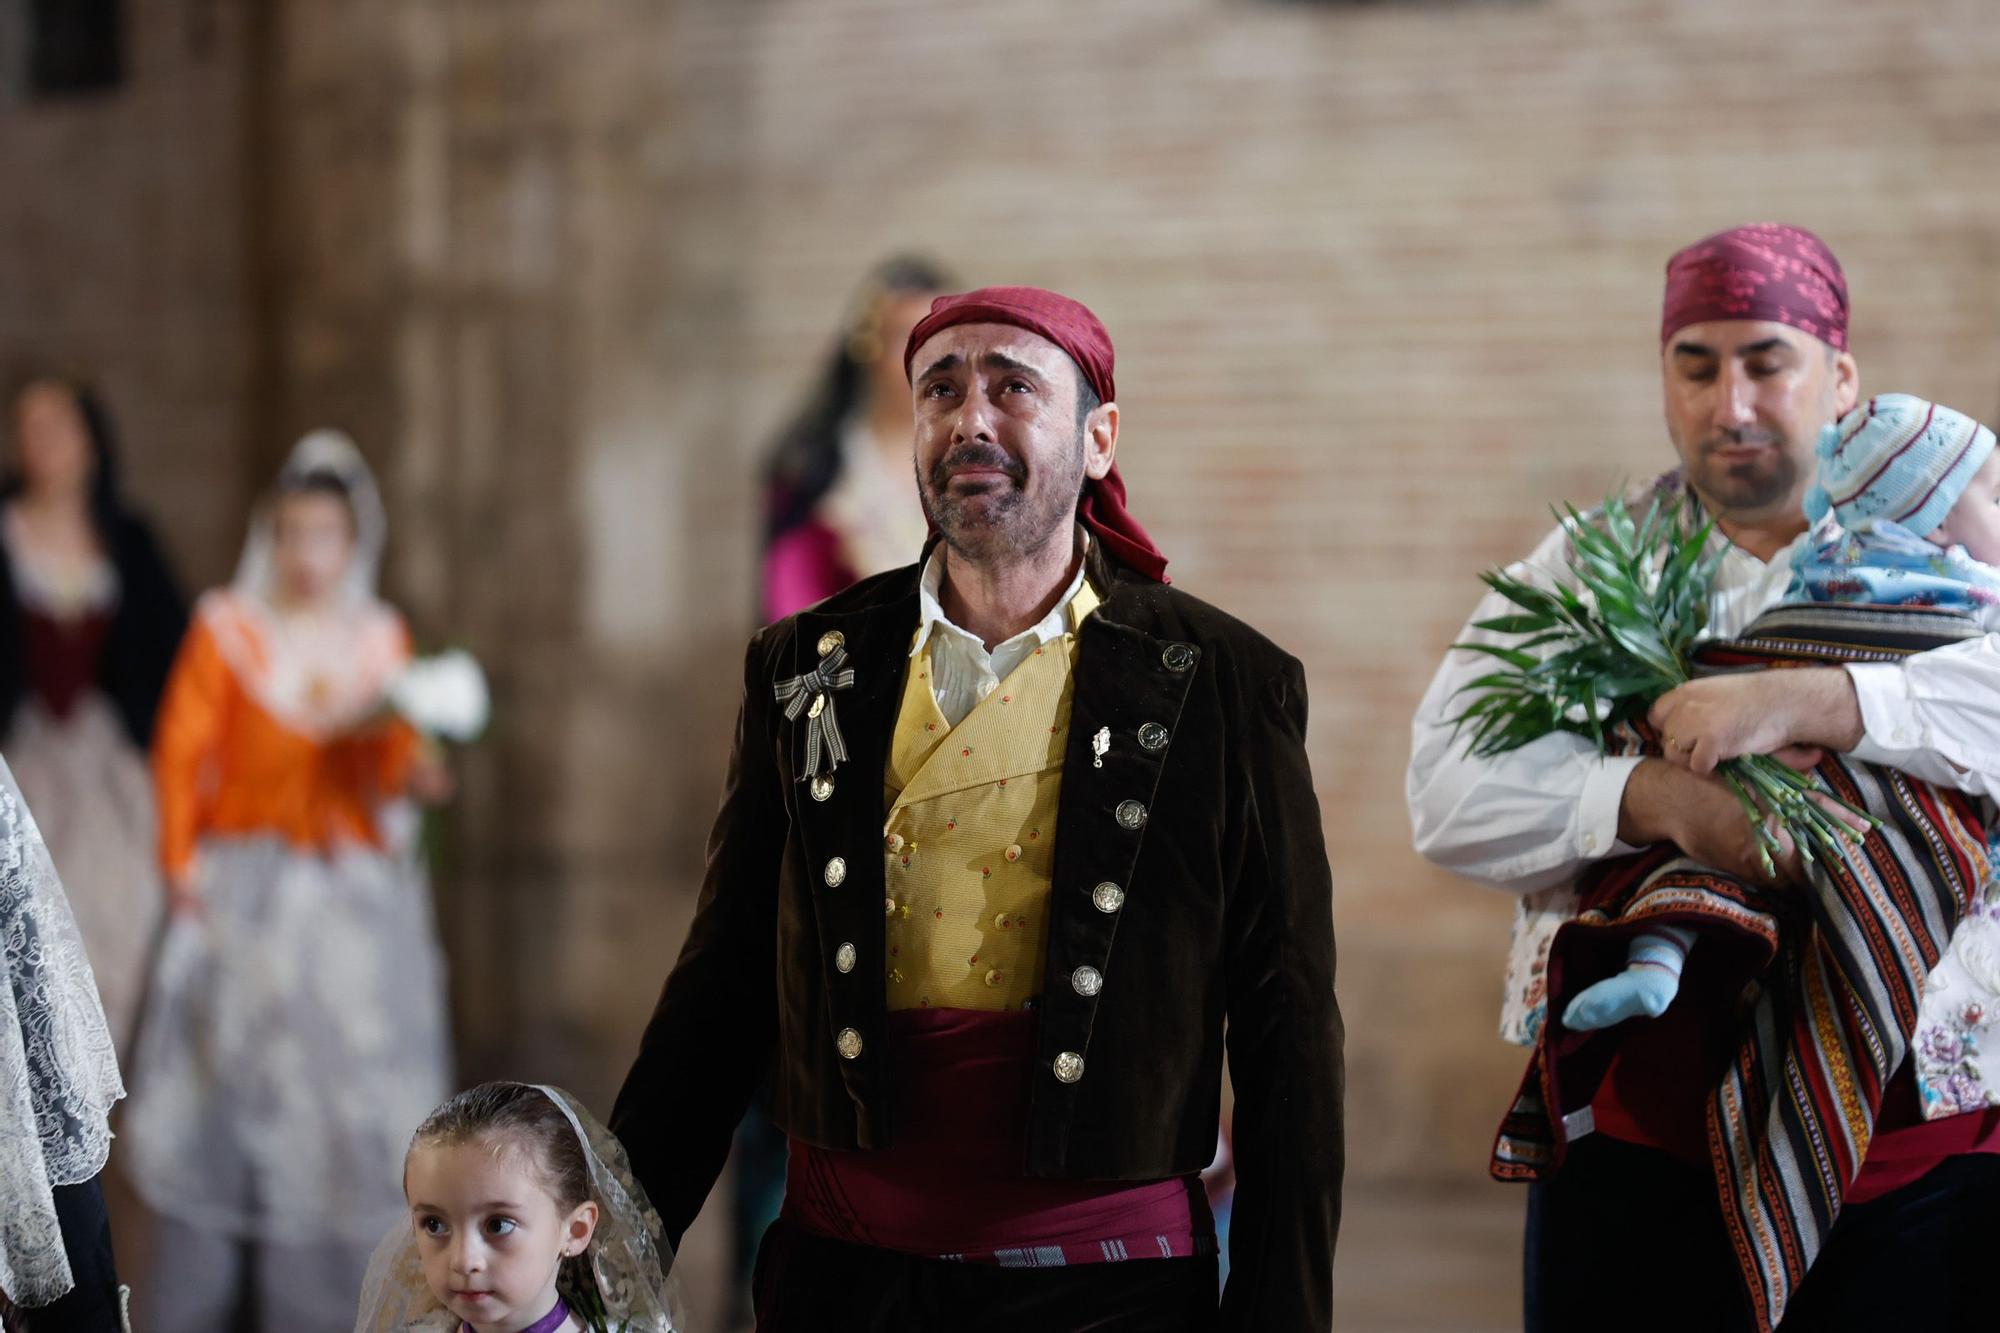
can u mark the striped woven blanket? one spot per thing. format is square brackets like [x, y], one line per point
[1831, 975]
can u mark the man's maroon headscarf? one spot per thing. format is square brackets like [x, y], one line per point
[1069, 325]
[1763, 271]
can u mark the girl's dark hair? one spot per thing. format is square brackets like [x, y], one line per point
[806, 459]
[524, 1118]
[319, 482]
[314, 481]
[106, 506]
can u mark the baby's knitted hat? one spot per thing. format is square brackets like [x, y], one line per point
[1900, 458]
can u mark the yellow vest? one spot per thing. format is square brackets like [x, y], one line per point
[970, 833]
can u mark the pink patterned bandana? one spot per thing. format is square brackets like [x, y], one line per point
[1764, 271]
[1069, 325]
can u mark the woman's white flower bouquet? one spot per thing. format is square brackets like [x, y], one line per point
[444, 696]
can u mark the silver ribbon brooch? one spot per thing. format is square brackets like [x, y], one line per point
[812, 694]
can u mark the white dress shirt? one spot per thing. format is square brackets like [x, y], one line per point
[963, 672]
[1536, 816]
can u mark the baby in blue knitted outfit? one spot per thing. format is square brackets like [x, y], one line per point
[1906, 513]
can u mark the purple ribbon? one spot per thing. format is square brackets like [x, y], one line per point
[548, 1323]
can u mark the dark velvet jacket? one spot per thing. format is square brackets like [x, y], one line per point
[146, 631]
[1224, 938]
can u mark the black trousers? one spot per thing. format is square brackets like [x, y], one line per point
[1630, 1238]
[807, 1282]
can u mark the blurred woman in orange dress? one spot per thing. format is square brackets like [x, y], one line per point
[295, 1034]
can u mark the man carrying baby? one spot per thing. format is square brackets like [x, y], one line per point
[1754, 363]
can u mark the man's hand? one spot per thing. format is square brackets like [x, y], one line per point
[1705, 722]
[1698, 813]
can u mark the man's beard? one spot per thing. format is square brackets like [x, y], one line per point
[1015, 519]
[1747, 485]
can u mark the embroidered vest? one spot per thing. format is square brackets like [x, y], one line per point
[970, 834]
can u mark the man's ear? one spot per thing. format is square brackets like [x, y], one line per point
[1846, 384]
[1100, 440]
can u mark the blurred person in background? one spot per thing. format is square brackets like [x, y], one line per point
[840, 501]
[295, 1035]
[90, 618]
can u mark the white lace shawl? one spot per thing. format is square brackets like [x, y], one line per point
[58, 1072]
[629, 1257]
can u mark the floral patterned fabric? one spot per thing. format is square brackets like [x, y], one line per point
[1958, 1028]
[1537, 918]
[1881, 563]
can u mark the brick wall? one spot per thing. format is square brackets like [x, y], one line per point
[124, 257]
[1384, 284]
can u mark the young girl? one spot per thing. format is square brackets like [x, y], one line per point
[524, 1218]
[1906, 513]
[295, 1030]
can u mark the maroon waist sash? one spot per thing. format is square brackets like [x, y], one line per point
[952, 1184]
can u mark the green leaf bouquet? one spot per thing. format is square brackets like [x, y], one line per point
[1586, 659]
